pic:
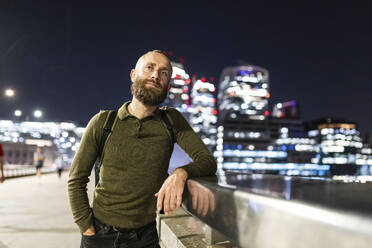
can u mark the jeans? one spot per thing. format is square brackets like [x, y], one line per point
[112, 237]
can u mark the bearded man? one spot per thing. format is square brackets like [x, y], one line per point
[133, 182]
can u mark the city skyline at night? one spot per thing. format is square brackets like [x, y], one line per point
[60, 56]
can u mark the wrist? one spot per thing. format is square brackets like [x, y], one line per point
[182, 173]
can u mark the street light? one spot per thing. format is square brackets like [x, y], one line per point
[18, 113]
[9, 92]
[38, 113]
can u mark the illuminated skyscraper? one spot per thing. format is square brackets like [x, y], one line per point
[244, 92]
[203, 117]
[339, 145]
[178, 96]
[249, 139]
[243, 102]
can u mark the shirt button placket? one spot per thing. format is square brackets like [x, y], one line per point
[139, 128]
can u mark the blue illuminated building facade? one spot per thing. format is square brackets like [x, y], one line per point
[269, 146]
[340, 145]
[250, 140]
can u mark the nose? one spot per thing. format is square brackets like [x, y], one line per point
[155, 75]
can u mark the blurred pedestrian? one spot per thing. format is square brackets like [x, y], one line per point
[59, 163]
[39, 161]
[2, 176]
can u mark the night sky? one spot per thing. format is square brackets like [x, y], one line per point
[73, 60]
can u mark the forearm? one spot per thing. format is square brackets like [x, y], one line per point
[77, 186]
[79, 202]
[80, 171]
[203, 162]
[205, 166]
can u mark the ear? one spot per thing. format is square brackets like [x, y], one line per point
[169, 86]
[132, 74]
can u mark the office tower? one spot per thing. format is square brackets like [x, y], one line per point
[243, 93]
[178, 96]
[242, 138]
[249, 139]
[203, 112]
[339, 144]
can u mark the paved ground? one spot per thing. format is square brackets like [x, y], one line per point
[36, 213]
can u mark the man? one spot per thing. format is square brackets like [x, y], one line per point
[133, 180]
[2, 176]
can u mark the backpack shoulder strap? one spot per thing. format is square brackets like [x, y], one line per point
[106, 131]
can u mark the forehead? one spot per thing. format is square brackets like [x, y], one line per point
[155, 58]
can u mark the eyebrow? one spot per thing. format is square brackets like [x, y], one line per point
[164, 68]
[161, 68]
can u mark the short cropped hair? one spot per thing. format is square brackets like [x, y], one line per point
[161, 52]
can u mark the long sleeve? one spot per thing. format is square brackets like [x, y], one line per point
[203, 163]
[80, 171]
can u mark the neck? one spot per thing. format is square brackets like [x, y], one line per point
[140, 110]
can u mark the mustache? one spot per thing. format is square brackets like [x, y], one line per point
[154, 82]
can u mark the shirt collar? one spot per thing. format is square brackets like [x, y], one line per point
[123, 112]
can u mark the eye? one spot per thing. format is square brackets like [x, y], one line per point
[148, 68]
[164, 73]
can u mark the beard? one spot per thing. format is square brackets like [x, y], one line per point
[148, 95]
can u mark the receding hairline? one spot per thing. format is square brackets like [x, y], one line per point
[158, 52]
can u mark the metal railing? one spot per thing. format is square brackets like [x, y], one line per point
[259, 211]
[15, 170]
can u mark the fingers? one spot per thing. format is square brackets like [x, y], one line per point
[160, 196]
[172, 200]
[166, 202]
[170, 194]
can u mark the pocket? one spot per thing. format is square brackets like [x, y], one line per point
[87, 241]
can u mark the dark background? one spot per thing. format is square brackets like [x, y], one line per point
[72, 60]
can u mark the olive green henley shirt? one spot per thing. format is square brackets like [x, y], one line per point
[135, 164]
